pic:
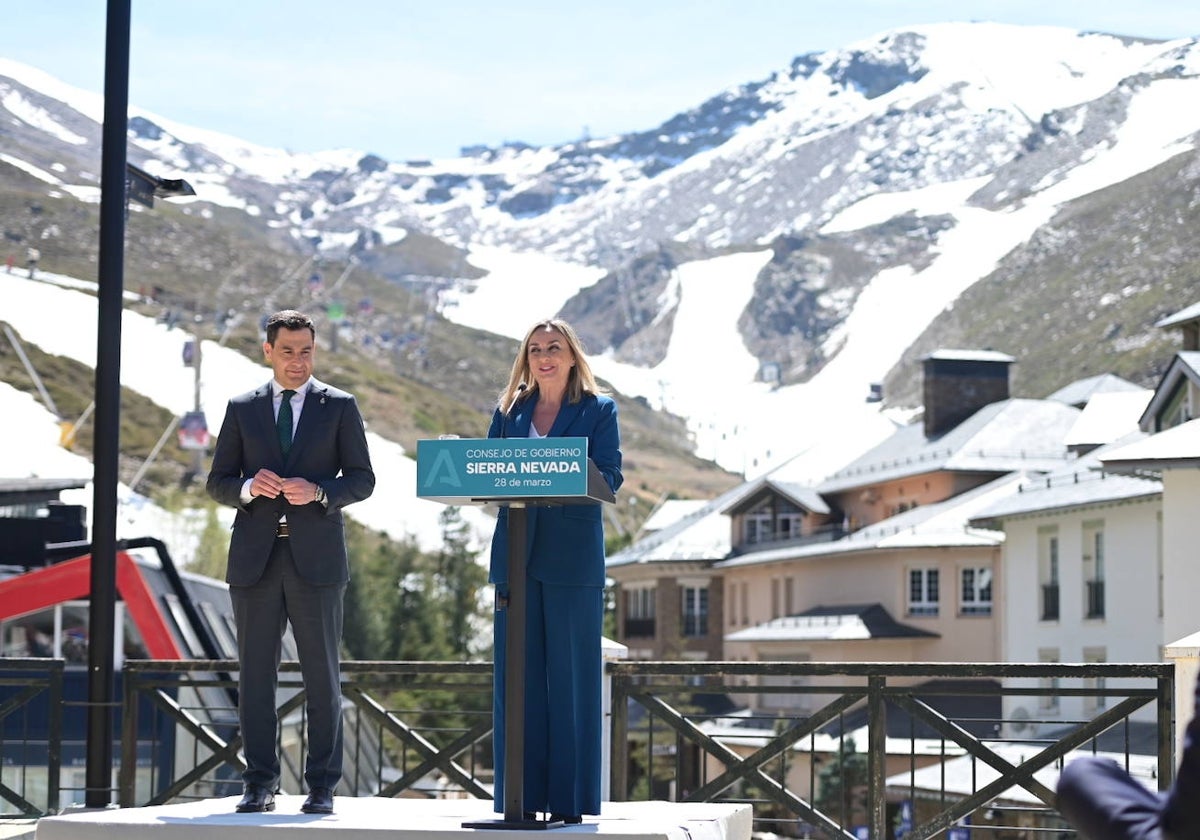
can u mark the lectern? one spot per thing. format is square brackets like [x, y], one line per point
[517, 473]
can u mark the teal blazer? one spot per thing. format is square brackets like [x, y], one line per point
[565, 542]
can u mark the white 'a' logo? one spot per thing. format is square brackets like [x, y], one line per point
[442, 471]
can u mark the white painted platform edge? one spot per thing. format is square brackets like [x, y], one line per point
[215, 819]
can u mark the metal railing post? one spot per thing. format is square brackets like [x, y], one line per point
[55, 737]
[127, 775]
[610, 652]
[619, 768]
[877, 756]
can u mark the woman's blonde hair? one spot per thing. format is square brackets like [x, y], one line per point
[521, 382]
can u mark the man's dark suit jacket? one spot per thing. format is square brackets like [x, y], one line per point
[329, 447]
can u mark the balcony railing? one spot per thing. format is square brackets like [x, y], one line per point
[820, 749]
[823, 534]
[639, 628]
[1095, 599]
[1049, 602]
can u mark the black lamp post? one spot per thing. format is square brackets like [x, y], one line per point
[117, 181]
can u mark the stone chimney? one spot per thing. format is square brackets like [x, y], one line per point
[960, 382]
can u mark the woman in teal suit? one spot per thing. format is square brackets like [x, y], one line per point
[551, 392]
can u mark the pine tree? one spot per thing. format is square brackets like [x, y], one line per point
[842, 784]
[462, 578]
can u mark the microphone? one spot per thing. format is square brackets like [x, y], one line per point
[508, 414]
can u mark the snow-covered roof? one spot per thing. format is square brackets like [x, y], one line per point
[802, 495]
[970, 355]
[1190, 313]
[703, 534]
[1081, 391]
[1108, 416]
[830, 623]
[1177, 447]
[1002, 437]
[670, 512]
[34, 485]
[1080, 484]
[963, 775]
[1019, 439]
[940, 525]
[739, 729]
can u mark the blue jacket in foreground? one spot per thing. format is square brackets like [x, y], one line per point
[565, 542]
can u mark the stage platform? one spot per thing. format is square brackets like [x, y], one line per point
[363, 818]
[20, 828]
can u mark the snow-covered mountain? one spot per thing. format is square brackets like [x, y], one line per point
[1022, 107]
[753, 263]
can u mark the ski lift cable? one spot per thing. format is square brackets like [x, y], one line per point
[162, 441]
[662, 500]
[289, 277]
[83, 418]
[346, 273]
[300, 269]
[611, 516]
[33, 374]
[227, 279]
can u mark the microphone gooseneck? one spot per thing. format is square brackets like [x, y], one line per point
[508, 414]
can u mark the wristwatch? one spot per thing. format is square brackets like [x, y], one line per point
[319, 496]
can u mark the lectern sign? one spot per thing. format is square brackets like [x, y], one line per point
[516, 473]
[495, 469]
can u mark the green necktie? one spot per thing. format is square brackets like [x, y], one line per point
[283, 423]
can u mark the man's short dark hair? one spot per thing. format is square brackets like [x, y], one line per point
[288, 319]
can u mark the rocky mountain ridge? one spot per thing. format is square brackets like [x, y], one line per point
[1001, 132]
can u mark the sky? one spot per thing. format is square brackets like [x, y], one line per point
[415, 80]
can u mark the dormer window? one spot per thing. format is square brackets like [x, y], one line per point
[1175, 412]
[772, 520]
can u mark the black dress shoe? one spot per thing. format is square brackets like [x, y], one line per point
[319, 801]
[256, 799]
[566, 819]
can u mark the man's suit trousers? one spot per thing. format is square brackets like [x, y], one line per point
[261, 612]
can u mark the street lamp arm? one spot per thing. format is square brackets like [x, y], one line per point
[143, 187]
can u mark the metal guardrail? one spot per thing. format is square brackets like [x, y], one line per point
[790, 760]
[31, 723]
[407, 726]
[837, 750]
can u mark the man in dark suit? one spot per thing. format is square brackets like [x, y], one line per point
[1104, 802]
[290, 455]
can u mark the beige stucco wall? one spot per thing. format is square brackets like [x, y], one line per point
[868, 505]
[666, 580]
[874, 577]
